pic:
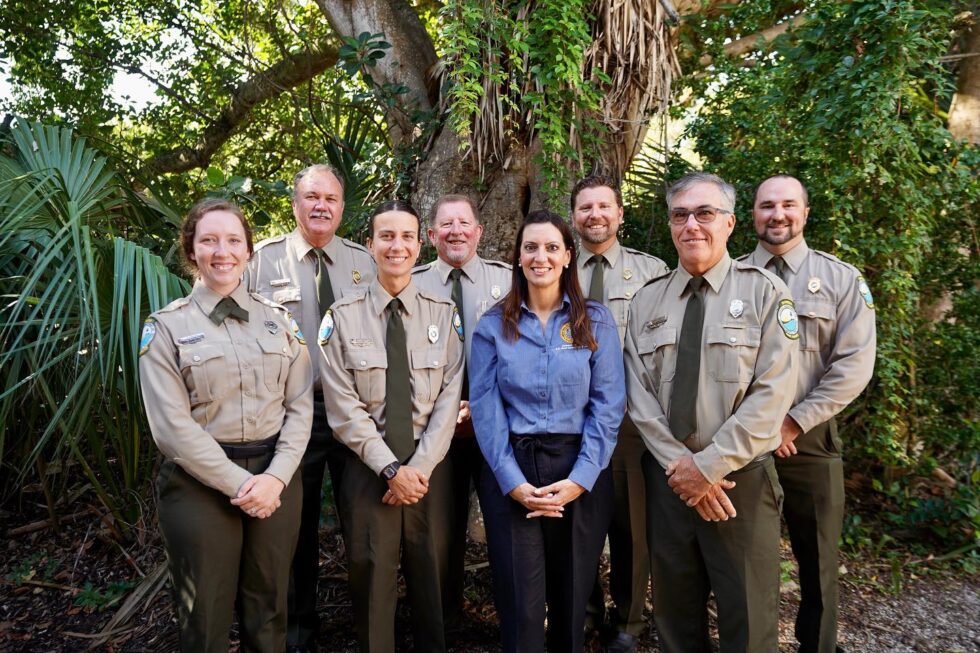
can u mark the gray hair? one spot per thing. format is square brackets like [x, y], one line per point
[321, 168]
[685, 182]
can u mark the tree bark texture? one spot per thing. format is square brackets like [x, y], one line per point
[964, 113]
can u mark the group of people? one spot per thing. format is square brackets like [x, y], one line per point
[586, 391]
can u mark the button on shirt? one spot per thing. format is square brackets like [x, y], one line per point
[837, 331]
[352, 344]
[484, 283]
[542, 384]
[231, 383]
[747, 362]
[283, 269]
[627, 270]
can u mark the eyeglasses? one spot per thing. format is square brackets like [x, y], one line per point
[703, 214]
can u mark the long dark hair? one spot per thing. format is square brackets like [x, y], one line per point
[510, 306]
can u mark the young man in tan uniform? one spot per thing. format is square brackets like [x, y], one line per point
[306, 270]
[394, 366]
[837, 355]
[473, 284]
[710, 350]
[611, 274]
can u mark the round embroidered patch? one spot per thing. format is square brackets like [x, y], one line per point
[566, 332]
[146, 337]
[326, 328]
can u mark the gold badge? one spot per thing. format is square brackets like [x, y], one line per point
[566, 332]
[813, 285]
[495, 292]
[356, 276]
[627, 274]
[433, 333]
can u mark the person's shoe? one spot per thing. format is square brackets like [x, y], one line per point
[620, 643]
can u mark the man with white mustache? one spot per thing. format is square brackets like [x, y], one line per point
[474, 284]
[306, 270]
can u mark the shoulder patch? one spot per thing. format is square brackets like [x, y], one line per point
[865, 292]
[458, 324]
[175, 304]
[269, 241]
[294, 325]
[147, 335]
[787, 318]
[326, 328]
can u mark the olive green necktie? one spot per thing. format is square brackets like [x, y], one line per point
[457, 296]
[324, 291]
[226, 307]
[779, 265]
[598, 274]
[684, 397]
[399, 433]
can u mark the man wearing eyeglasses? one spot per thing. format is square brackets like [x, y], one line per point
[710, 350]
[837, 355]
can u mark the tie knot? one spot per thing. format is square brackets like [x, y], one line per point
[456, 273]
[779, 263]
[598, 259]
[695, 283]
[394, 305]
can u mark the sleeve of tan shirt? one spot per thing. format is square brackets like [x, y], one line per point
[850, 366]
[177, 435]
[438, 434]
[298, 420]
[753, 429]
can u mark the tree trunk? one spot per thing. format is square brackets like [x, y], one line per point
[964, 113]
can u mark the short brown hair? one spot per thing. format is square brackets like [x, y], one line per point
[189, 226]
[453, 199]
[596, 181]
[394, 205]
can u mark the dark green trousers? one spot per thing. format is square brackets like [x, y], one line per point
[378, 537]
[737, 560]
[221, 559]
[629, 561]
[813, 481]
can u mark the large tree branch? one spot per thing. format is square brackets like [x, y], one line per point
[278, 78]
[755, 41]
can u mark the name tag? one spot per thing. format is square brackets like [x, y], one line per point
[278, 283]
[191, 339]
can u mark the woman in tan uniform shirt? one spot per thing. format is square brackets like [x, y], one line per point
[227, 386]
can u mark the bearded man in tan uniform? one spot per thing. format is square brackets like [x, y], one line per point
[837, 355]
[710, 349]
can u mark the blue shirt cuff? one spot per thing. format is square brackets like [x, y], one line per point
[509, 476]
[584, 473]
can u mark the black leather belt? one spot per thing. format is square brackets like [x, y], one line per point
[250, 449]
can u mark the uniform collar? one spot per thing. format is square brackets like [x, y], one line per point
[207, 299]
[380, 298]
[715, 276]
[612, 255]
[469, 269]
[794, 258]
[565, 303]
[301, 247]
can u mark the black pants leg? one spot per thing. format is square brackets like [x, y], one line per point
[464, 460]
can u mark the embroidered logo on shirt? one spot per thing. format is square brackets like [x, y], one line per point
[865, 292]
[566, 332]
[788, 321]
[294, 325]
[457, 324]
[146, 337]
[191, 339]
[326, 328]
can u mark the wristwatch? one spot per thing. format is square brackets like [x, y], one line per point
[390, 471]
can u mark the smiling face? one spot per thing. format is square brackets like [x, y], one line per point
[221, 251]
[780, 213]
[394, 243]
[543, 256]
[701, 246]
[455, 233]
[318, 205]
[597, 217]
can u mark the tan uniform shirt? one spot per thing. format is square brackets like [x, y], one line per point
[627, 270]
[283, 269]
[749, 357]
[484, 283]
[352, 342]
[837, 331]
[238, 382]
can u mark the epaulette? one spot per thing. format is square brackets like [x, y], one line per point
[269, 241]
[358, 247]
[771, 277]
[268, 302]
[499, 264]
[175, 304]
[435, 298]
[639, 252]
[657, 278]
[422, 268]
[834, 259]
[743, 257]
[347, 299]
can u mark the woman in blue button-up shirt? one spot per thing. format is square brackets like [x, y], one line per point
[547, 394]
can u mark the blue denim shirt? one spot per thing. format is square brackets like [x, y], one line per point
[542, 384]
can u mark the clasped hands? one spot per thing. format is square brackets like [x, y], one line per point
[407, 487]
[710, 500]
[547, 501]
[259, 496]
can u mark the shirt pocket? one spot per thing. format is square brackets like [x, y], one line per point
[658, 351]
[203, 368]
[816, 323]
[275, 363]
[618, 302]
[428, 366]
[571, 367]
[369, 367]
[732, 351]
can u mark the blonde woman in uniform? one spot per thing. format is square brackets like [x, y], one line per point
[227, 386]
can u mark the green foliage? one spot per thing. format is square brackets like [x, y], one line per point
[77, 267]
[848, 102]
[92, 598]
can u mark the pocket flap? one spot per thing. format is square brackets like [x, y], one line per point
[274, 346]
[650, 342]
[429, 359]
[734, 335]
[366, 358]
[199, 354]
[286, 295]
[811, 309]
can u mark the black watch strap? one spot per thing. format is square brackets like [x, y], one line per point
[390, 471]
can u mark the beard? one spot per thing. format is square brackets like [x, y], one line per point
[596, 238]
[766, 236]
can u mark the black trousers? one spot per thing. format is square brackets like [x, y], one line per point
[464, 461]
[545, 563]
[737, 560]
[323, 452]
[813, 481]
